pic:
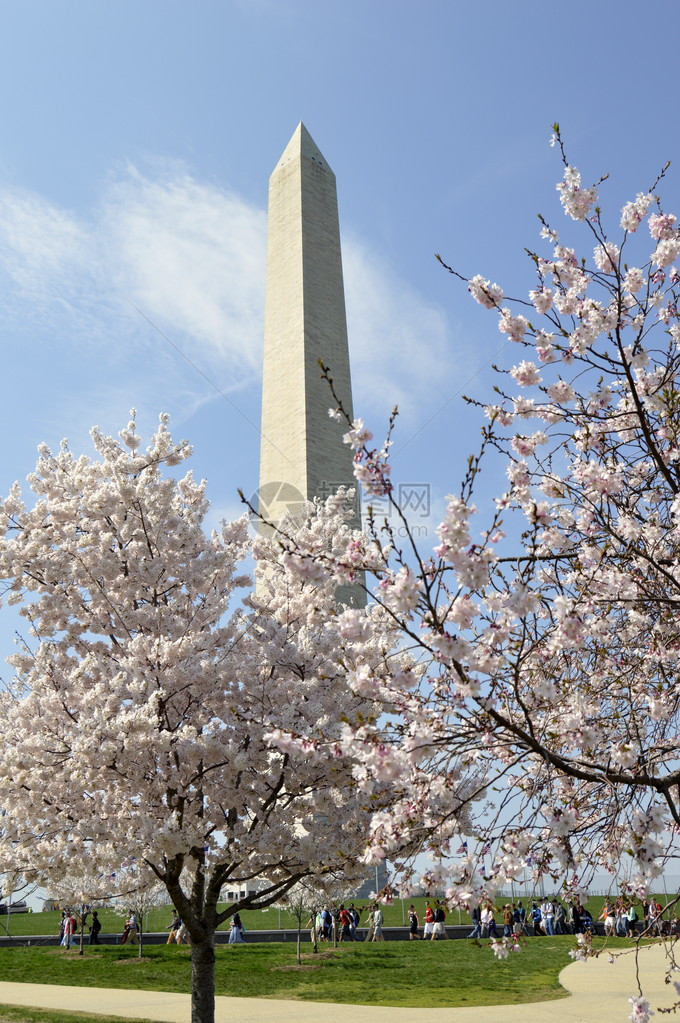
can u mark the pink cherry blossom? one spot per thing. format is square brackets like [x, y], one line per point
[526, 374]
[607, 257]
[633, 213]
[641, 1011]
[487, 294]
[524, 445]
[577, 201]
[662, 225]
[542, 299]
[561, 391]
[514, 326]
[667, 250]
[634, 280]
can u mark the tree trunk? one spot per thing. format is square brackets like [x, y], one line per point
[203, 980]
[299, 938]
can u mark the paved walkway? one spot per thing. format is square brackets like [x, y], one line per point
[599, 994]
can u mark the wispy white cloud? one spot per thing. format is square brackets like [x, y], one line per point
[190, 256]
[400, 345]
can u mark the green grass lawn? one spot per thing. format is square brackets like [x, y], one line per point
[19, 1014]
[400, 973]
[270, 919]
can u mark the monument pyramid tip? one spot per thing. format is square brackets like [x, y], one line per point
[302, 144]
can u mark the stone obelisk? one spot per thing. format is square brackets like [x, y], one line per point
[302, 453]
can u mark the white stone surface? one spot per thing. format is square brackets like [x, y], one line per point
[305, 321]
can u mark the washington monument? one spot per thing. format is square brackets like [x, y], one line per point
[302, 453]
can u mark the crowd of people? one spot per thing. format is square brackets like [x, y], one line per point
[551, 916]
[540, 918]
[621, 917]
[341, 923]
[71, 923]
[177, 930]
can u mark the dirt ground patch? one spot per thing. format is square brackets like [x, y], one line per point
[310, 961]
[71, 953]
[294, 968]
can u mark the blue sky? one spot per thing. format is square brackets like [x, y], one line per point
[137, 142]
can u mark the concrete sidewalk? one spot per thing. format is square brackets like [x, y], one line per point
[599, 993]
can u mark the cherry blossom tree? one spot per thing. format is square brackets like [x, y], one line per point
[313, 894]
[143, 899]
[85, 884]
[80, 888]
[153, 715]
[547, 617]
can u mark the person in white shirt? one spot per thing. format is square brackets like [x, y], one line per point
[132, 922]
[548, 915]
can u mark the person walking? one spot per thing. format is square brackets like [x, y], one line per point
[429, 922]
[413, 924]
[439, 930]
[520, 917]
[236, 932]
[631, 920]
[489, 921]
[576, 918]
[476, 916]
[370, 911]
[95, 928]
[352, 924]
[345, 921]
[130, 929]
[182, 935]
[608, 914]
[70, 925]
[173, 927]
[548, 916]
[378, 925]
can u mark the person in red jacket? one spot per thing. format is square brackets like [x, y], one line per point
[345, 921]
